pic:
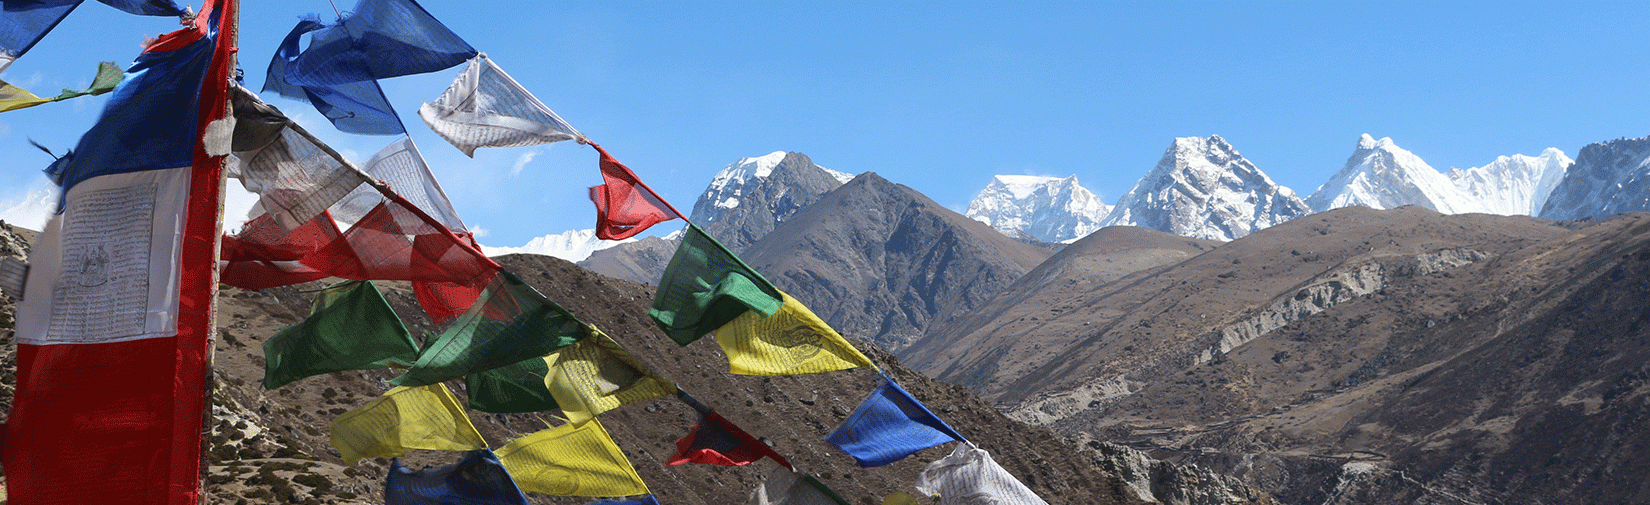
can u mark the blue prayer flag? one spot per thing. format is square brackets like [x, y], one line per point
[889, 425]
[339, 70]
[24, 23]
[478, 479]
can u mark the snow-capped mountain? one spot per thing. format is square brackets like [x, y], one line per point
[1381, 175]
[1513, 185]
[1204, 188]
[1051, 209]
[570, 245]
[1607, 178]
[746, 199]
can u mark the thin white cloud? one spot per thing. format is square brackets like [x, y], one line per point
[522, 161]
[478, 231]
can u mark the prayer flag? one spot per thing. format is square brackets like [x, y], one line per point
[717, 441]
[624, 205]
[338, 72]
[350, 327]
[645, 500]
[308, 195]
[22, 24]
[705, 287]
[970, 477]
[477, 479]
[889, 425]
[899, 498]
[112, 341]
[509, 323]
[13, 98]
[405, 418]
[147, 7]
[785, 486]
[595, 375]
[571, 460]
[513, 389]
[792, 341]
[486, 108]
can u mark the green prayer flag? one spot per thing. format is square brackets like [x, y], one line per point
[513, 389]
[705, 287]
[108, 75]
[350, 327]
[510, 322]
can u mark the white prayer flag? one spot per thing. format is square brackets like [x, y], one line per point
[970, 477]
[486, 108]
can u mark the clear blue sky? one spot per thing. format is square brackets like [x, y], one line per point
[940, 96]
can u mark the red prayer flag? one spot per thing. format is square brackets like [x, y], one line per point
[716, 441]
[624, 205]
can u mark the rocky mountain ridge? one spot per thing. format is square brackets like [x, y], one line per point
[1049, 209]
[1203, 188]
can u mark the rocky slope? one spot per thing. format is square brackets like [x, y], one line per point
[880, 261]
[1353, 356]
[1607, 178]
[1203, 188]
[1048, 209]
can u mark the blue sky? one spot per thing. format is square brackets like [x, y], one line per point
[940, 96]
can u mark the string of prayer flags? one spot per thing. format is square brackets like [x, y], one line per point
[785, 486]
[596, 375]
[13, 97]
[338, 72]
[479, 478]
[350, 327]
[717, 441]
[624, 204]
[791, 341]
[888, 426]
[572, 460]
[512, 389]
[114, 339]
[645, 500]
[705, 286]
[402, 228]
[510, 322]
[405, 418]
[970, 477]
[484, 107]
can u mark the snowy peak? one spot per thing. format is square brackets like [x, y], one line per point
[1513, 185]
[747, 198]
[1204, 188]
[1381, 175]
[1607, 178]
[570, 245]
[1051, 209]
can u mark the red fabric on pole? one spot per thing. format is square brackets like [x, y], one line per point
[717, 441]
[117, 419]
[624, 205]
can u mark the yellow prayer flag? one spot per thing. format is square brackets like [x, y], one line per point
[13, 98]
[595, 375]
[571, 460]
[792, 341]
[424, 417]
[899, 498]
